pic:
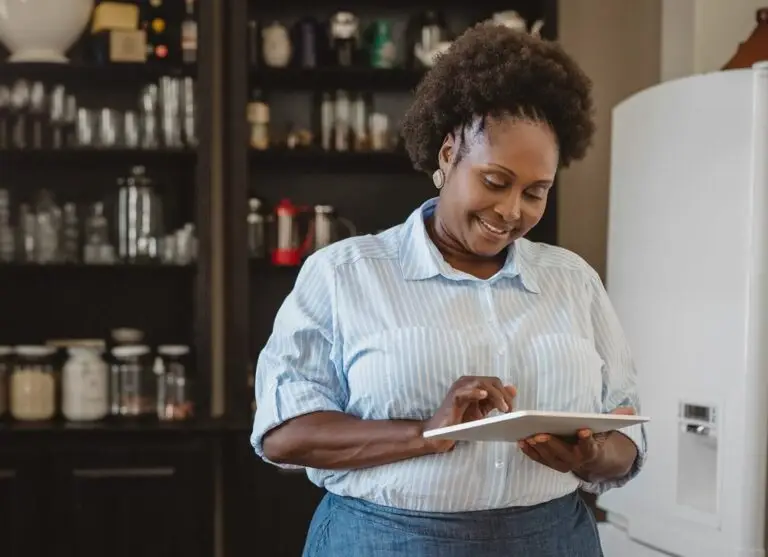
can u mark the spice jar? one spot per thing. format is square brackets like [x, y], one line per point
[173, 400]
[33, 384]
[133, 387]
[6, 353]
[85, 382]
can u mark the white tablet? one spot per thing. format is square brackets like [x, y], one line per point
[518, 425]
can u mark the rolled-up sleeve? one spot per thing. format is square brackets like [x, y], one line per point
[296, 373]
[619, 379]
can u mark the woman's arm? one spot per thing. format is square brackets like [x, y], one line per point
[623, 452]
[334, 440]
[301, 390]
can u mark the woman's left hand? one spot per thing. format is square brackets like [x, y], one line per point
[577, 457]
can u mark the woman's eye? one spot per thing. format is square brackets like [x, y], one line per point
[494, 182]
[537, 193]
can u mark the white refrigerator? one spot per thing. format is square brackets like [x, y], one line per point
[688, 275]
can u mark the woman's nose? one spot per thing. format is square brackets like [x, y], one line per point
[509, 209]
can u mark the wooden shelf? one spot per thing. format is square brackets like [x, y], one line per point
[329, 79]
[108, 75]
[316, 160]
[259, 266]
[92, 268]
[89, 154]
[109, 425]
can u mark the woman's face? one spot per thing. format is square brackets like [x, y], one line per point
[498, 190]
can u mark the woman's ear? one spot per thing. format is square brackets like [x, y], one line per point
[447, 153]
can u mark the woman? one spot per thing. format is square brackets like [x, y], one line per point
[447, 317]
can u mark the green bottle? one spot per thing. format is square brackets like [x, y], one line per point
[383, 51]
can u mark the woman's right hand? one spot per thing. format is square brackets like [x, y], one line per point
[469, 398]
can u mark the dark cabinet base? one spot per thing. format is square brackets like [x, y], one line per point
[268, 510]
[95, 494]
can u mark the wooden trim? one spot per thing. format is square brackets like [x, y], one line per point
[236, 253]
[204, 177]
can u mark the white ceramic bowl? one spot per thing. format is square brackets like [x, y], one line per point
[42, 30]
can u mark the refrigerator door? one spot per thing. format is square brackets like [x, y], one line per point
[616, 543]
[688, 277]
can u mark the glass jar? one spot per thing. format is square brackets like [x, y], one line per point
[85, 382]
[6, 353]
[33, 384]
[133, 386]
[173, 400]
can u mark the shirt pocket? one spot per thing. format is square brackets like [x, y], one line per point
[405, 373]
[568, 373]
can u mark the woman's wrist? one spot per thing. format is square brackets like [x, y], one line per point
[616, 457]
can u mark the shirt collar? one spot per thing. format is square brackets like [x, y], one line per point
[420, 258]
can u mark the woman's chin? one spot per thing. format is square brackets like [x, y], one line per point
[485, 247]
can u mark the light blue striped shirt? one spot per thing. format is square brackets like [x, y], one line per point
[381, 326]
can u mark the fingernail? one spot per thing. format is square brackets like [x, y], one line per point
[483, 393]
[531, 441]
[584, 433]
[542, 438]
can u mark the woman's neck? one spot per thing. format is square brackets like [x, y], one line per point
[457, 256]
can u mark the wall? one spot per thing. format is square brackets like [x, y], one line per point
[618, 44]
[701, 35]
[646, 41]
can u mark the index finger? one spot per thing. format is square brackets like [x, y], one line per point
[500, 397]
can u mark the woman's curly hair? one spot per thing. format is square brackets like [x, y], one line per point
[492, 71]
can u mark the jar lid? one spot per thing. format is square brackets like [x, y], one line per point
[91, 343]
[6, 350]
[173, 350]
[34, 351]
[130, 351]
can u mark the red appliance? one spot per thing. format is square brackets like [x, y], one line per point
[290, 247]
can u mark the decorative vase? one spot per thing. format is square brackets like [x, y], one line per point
[755, 48]
[42, 30]
[276, 46]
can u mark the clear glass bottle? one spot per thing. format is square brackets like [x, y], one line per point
[133, 391]
[97, 249]
[7, 236]
[33, 384]
[256, 230]
[47, 228]
[174, 402]
[258, 115]
[85, 382]
[70, 235]
[189, 33]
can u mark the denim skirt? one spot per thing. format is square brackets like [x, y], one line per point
[348, 527]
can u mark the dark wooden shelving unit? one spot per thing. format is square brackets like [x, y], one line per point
[95, 268]
[96, 75]
[304, 160]
[99, 157]
[80, 490]
[324, 79]
[374, 189]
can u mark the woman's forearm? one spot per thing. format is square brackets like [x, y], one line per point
[333, 440]
[617, 457]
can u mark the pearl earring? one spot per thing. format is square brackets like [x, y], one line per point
[438, 178]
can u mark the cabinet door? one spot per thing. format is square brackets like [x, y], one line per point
[267, 510]
[129, 501]
[287, 502]
[23, 514]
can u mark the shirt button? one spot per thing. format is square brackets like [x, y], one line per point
[499, 464]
